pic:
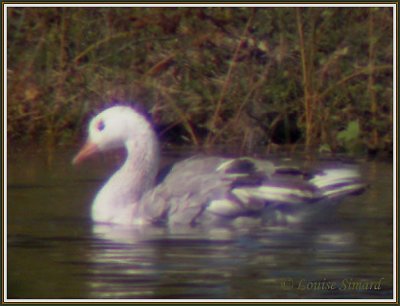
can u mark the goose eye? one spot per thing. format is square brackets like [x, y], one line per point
[100, 125]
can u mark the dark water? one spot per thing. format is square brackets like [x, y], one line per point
[55, 252]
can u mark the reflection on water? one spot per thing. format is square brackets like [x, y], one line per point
[55, 252]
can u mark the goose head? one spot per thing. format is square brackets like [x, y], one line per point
[115, 127]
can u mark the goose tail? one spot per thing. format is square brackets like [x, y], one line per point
[338, 183]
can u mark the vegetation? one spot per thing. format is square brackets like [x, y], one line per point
[246, 77]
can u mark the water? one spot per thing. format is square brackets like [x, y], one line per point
[55, 252]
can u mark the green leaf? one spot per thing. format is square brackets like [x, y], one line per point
[324, 148]
[351, 133]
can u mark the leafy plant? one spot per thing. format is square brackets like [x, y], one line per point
[350, 137]
[223, 75]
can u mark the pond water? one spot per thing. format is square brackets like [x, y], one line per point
[55, 252]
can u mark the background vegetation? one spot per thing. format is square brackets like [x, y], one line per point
[247, 77]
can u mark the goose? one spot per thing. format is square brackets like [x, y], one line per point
[201, 190]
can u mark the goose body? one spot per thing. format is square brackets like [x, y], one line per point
[198, 190]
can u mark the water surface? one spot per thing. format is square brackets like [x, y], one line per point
[55, 252]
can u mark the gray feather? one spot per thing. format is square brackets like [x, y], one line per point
[213, 189]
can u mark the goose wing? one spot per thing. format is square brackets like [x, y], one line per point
[213, 189]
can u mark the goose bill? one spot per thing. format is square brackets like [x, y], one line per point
[87, 150]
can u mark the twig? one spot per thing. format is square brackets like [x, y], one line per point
[229, 75]
[362, 71]
[107, 39]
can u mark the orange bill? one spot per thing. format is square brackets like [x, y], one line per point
[87, 150]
